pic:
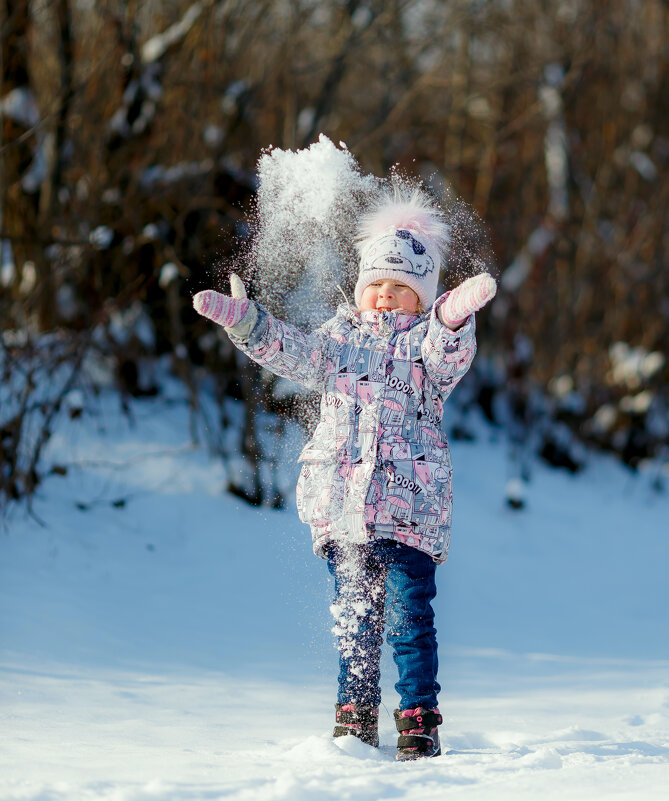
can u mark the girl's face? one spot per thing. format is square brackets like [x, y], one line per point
[389, 295]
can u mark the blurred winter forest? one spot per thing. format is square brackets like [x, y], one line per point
[130, 135]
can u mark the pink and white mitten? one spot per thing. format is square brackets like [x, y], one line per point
[467, 298]
[224, 310]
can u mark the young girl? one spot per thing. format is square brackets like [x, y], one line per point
[375, 483]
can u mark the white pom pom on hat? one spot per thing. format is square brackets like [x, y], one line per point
[403, 238]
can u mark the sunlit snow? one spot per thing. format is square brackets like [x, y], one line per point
[164, 640]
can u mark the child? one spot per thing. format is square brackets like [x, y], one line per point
[375, 483]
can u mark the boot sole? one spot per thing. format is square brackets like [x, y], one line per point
[412, 757]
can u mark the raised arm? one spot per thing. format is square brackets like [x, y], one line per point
[450, 344]
[467, 298]
[279, 347]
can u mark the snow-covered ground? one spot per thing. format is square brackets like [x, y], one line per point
[163, 640]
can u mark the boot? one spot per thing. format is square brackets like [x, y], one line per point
[360, 721]
[419, 735]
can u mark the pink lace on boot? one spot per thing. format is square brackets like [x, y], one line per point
[362, 722]
[419, 735]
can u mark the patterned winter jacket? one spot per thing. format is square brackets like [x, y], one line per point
[378, 464]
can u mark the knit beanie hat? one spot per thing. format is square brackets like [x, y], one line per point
[402, 239]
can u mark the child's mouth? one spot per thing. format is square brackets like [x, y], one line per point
[383, 308]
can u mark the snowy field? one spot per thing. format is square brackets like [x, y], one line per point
[162, 640]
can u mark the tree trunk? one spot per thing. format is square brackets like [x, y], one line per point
[19, 146]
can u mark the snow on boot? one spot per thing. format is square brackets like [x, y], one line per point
[419, 735]
[360, 721]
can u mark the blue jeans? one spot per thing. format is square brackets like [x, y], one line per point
[384, 582]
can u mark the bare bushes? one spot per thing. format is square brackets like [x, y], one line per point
[38, 379]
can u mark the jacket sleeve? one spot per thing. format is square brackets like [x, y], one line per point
[447, 355]
[285, 350]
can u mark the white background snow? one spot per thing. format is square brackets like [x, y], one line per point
[177, 646]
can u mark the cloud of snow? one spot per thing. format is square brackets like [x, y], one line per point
[307, 208]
